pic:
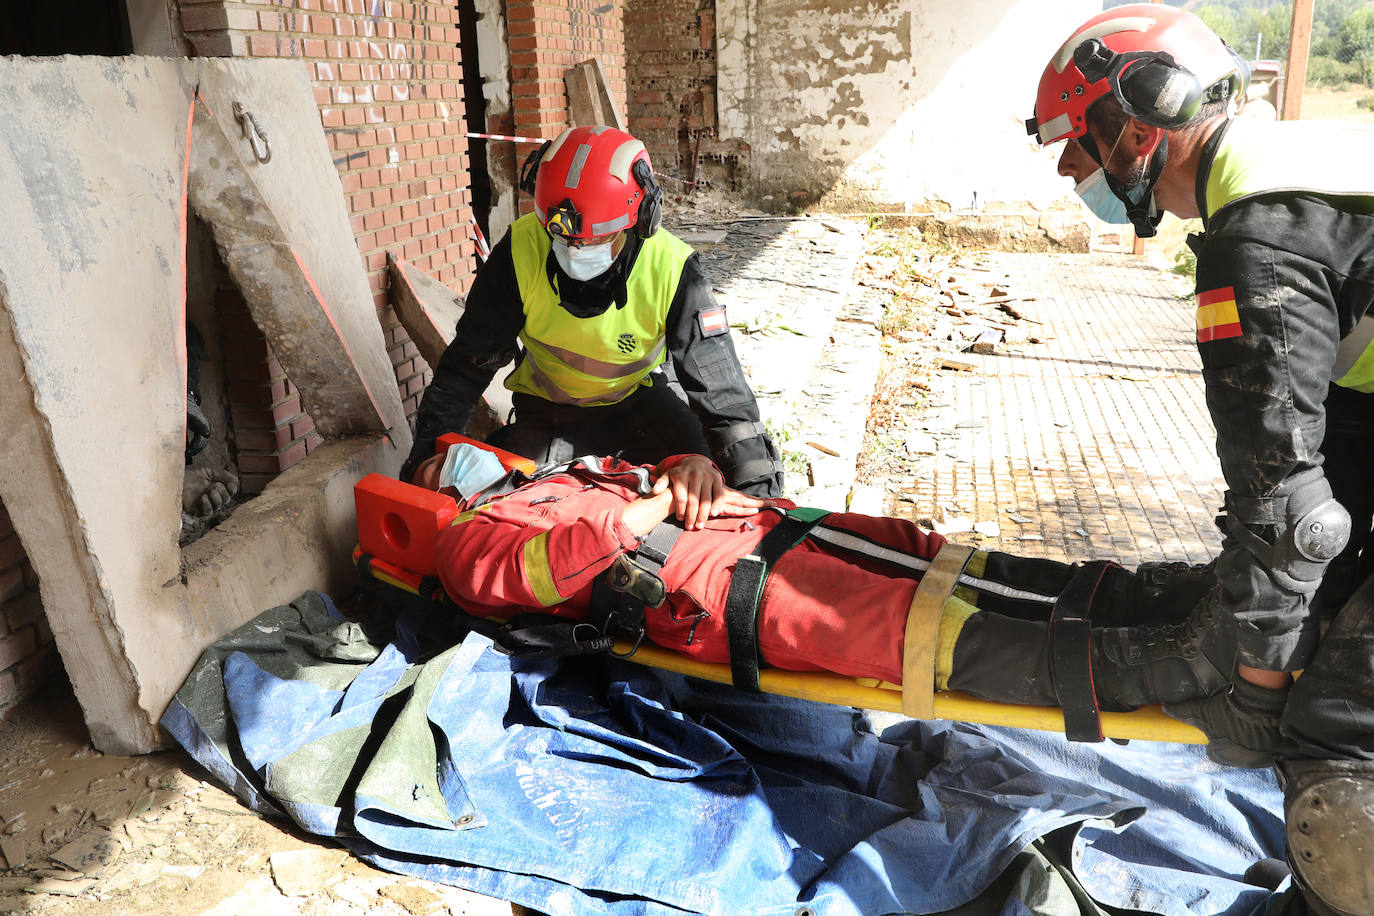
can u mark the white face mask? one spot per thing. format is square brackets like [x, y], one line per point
[586, 262]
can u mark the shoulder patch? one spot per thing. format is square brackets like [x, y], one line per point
[713, 321]
[1217, 317]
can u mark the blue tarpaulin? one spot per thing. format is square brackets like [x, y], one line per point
[600, 786]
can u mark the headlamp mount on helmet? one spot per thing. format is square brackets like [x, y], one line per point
[564, 221]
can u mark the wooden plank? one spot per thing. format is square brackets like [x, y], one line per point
[429, 311]
[589, 99]
[1296, 75]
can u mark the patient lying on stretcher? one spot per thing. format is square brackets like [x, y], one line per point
[828, 594]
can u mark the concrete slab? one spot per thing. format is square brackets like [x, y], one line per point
[283, 232]
[429, 311]
[94, 158]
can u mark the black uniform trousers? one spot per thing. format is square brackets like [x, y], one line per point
[649, 425]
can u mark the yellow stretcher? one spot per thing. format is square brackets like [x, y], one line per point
[398, 525]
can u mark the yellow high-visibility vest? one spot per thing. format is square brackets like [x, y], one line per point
[598, 360]
[1261, 157]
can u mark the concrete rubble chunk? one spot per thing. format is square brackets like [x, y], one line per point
[73, 887]
[12, 848]
[256, 898]
[417, 901]
[91, 854]
[302, 872]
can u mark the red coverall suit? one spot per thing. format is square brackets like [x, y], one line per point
[541, 547]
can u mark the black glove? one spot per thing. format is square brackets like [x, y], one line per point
[1241, 725]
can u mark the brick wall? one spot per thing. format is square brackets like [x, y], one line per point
[671, 49]
[546, 38]
[27, 652]
[270, 430]
[387, 77]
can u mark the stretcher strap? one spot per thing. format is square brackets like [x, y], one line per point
[746, 592]
[923, 628]
[1071, 653]
[618, 611]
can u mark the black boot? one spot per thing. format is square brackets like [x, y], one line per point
[1155, 593]
[1008, 660]
[1137, 666]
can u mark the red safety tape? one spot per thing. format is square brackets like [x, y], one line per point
[505, 137]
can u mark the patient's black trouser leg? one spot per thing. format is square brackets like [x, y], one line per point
[1018, 651]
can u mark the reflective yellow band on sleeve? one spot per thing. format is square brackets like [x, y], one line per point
[538, 573]
[467, 516]
[953, 616]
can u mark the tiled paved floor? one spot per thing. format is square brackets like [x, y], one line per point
[1098, 439]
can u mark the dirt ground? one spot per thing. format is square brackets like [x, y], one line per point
[100, 835]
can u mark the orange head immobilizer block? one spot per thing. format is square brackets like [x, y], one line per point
[399, 523]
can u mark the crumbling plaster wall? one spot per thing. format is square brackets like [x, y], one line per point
[886, 105]
[493, 59]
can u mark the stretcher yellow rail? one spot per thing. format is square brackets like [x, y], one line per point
[1146, 724]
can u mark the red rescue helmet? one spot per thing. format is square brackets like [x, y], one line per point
[593, 182]
[1160, 62]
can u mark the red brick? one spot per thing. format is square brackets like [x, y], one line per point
[24, 610]
[17, 645]
[11, 552]
[264, 440]
[11, 583]
[254, 483]
[203, 18]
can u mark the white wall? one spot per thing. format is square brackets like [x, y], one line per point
[907, 104]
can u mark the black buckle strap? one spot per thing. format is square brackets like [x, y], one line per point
[620, 595]
[1071, 653]
[746, 589]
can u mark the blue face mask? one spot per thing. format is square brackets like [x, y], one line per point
[469, 470]
[586, 262]
[1106, 206]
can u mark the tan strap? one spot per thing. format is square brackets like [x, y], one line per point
[923, 628]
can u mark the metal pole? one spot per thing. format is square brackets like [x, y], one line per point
[1296, 75]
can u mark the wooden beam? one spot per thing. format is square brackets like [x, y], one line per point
[589, 98]
[1296, 76]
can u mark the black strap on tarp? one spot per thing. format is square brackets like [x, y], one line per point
[746, 589]
[1071, 653]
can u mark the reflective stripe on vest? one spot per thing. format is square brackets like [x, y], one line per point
[1260, 157]
[1354, 366]
[598, 360]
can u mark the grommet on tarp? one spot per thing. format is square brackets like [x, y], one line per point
[253, 133]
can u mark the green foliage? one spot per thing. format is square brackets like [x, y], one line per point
[1367, 103]
[1356, 35]
[1328, 71]
[1185, 262]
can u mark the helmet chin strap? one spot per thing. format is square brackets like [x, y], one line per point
[1142, 220]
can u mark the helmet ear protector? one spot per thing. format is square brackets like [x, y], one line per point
[1151, 85]
[531, 167]
[650, 215]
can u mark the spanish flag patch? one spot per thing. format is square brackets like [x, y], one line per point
[1217, 318]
